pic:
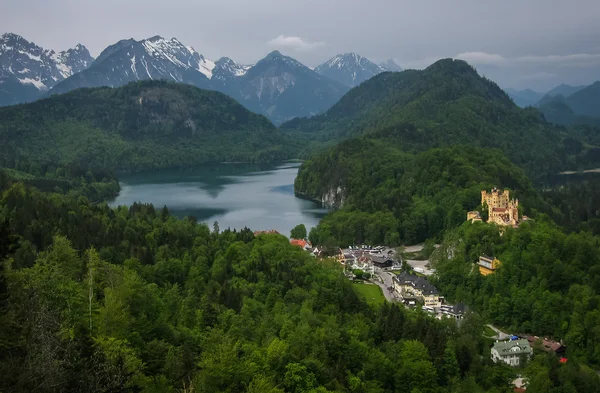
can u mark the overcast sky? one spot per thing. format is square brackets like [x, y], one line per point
[517, 43]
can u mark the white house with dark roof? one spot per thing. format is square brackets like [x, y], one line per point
[511, 352]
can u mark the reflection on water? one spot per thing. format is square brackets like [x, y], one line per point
[236, 195]
[572, 177]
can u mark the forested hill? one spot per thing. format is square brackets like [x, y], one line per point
[447, 103]
[391, 197]
[143, 125]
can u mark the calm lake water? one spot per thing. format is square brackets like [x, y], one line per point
[236, 195]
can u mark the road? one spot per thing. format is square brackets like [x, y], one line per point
[384, 283]
[500, 335]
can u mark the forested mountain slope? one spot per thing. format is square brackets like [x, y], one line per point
[448, 103]
[143, 125]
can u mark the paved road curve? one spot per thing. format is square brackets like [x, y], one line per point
[385, 283]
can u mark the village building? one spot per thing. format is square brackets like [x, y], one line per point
[410, 286]
[456, 312]
[488, 265]
[340, 257]
[381, 261]
[502, 210]
[511, 352]
[350, 258]
[304, 244]
[547, 345]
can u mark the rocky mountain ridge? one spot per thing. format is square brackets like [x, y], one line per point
[28, 70]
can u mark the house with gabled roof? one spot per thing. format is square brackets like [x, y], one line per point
[511, 352]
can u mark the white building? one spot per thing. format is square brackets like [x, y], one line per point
[511, 352]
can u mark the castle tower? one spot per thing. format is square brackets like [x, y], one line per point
[501, 209]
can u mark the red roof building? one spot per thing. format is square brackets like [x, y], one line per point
[300, 243]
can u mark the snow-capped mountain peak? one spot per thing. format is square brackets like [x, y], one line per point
[35, 68]
[349, 68]
[226, 69]
[277, 57]
[177, 53]
[151, 58]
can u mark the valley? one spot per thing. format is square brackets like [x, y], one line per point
[147, 197]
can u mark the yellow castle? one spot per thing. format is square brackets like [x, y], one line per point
[501, 209]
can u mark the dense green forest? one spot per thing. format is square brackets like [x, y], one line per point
[143, 125]
[446, 104]
[94, 299]
[97, 185]
[548, 284]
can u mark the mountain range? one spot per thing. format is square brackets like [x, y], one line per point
[27, 70]
[277, 86]
[530, 97]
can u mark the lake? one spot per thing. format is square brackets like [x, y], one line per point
[258, 196]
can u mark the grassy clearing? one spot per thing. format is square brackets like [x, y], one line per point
[488, 332]
[371, 293]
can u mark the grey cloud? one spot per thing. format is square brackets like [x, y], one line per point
[569, 60]
[297, 44]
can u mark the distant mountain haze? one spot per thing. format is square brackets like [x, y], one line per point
[564, 90]
[581, 105]
[283, 88]
[525, 97]
[390, 65]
